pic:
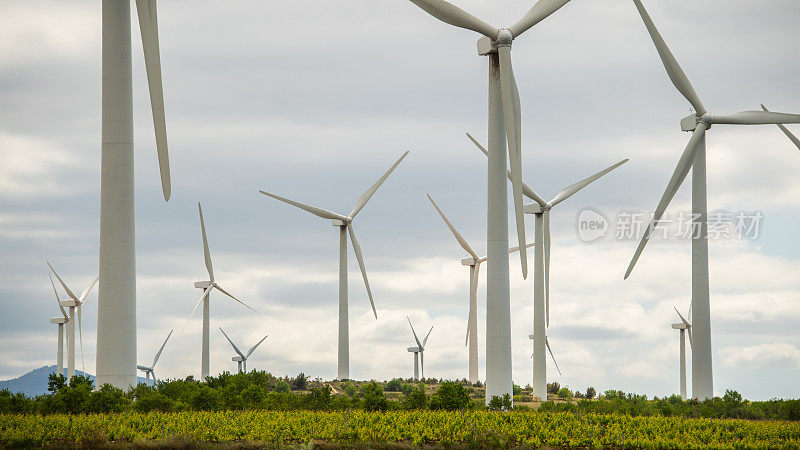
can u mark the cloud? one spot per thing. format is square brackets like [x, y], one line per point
[758, 357]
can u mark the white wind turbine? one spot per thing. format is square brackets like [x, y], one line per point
[73, 303]
[116, 311]
[151, 369]
[207, 287]
[541, 278]
[418, 351]
[241, 359]
[474, 264]
[504, 126]
[684, 326]
[547, 343]
[786, 131]
[60, 321]
[345, 224]
[694, 158]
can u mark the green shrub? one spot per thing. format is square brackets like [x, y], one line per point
[450, 396]
[372, 397]
[564, 393]
[282, 386]
[416, 399]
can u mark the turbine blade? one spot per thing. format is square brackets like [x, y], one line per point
[540, 11]
[419, 344]
[691, 339]
[205, 294]
[685, 322]
[158, 355]
[681, 170]
[64, 285]
[148, 24]
[371, 191]
[453, 15]
[516, 249]
[319, 212]
[456, 234]
[229, 295]
[690, 311]
[88, 289]
[786, 131]
[511, 117]
[526, 190]
[80, 334]
[63, 311]
[674, 70]
[253, 348]
[422, 361]
[206, 252]
[360, 258]
[235, 348]
[425, 341]
[546, 217]
[756, 118]
[547, 342]
[571, 190]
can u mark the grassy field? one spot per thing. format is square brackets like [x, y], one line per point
[412, 428]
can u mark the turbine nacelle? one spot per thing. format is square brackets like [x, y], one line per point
[342, 223]
[238, 358]
[58, 320]
[680, 326]
[535, 208]
[413, 349]
[470, 262]
[203, 284]
[68, 303]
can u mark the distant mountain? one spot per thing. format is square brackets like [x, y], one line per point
[34, 382]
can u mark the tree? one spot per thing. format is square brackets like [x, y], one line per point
[372, 397]
[590, 393]
[552, 388]
[282, 386]
[395, 385]
[207, 399]
[300, 383]
[56, 382]
[320, 398]
[564, 392]
[107, 399]
[416, 398]
[450, 396]
[500, 404]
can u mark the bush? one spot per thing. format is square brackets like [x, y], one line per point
[552, 388]
[500, 404]
[564, 392]
[590, 393]
[516, 389]
[107, 399]
[282, 386]
[350, 390]
[372, 397]
[207, 399]
[450, 396]
[416, 399]
[319, 398]
[300, 383]
[395, 385]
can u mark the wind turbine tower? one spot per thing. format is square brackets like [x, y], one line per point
[60, 321]
[684, 326]
[418, 351]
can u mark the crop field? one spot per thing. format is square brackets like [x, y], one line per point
[417, 428]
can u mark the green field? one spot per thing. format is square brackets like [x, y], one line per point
[413, 428]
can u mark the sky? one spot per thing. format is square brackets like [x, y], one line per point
[315, 100]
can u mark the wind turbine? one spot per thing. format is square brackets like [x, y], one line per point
[150, 370]
[474, 264]
[345, 224]
[684, 326]
[73, 303]
[116, 311]
[694, 157]
[60, 321]
[418, 351]
[786, 131]
[541, 278]
[547, 343]
[207, 287]
[504, 126]
[242, 358]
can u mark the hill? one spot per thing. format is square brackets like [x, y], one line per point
[34, 382]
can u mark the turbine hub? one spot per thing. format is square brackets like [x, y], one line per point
[504, 37]
[707, 119]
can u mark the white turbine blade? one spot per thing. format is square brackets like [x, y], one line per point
[786, 131]
[685, 322]
[63, 311]
[253, 348]
[756, 118]
[547, 342]
[206, 252]
[539, 12]
[148, 24]
[690, 311]
[674, 70]
[571, 190]
[205, 294]
[80, 334]
[453, 15]
[419, 344]
[235, 348]
[526, 190]
[691, 339]
[456, 234]
[371, 191]
[511, 116]
[158, 355]
[473, 289]
[510, 251]
[219, 288]
[87, 290]
[319, 212]
[64, 285]
[681, 170]
[360, 258]
[425, 341]
[422, 361]
[546, 217]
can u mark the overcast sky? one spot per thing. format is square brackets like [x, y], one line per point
[315, 99]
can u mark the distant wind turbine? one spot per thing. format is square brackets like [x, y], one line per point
[60, 321]
[684, 326]
[150, 370]
[207, 287]
[418, 351]
[241, 358]
[74, 303]
[345, 224]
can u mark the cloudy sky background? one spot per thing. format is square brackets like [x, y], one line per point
[314, 100]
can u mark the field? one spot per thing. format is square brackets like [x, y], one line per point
[375, 429]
